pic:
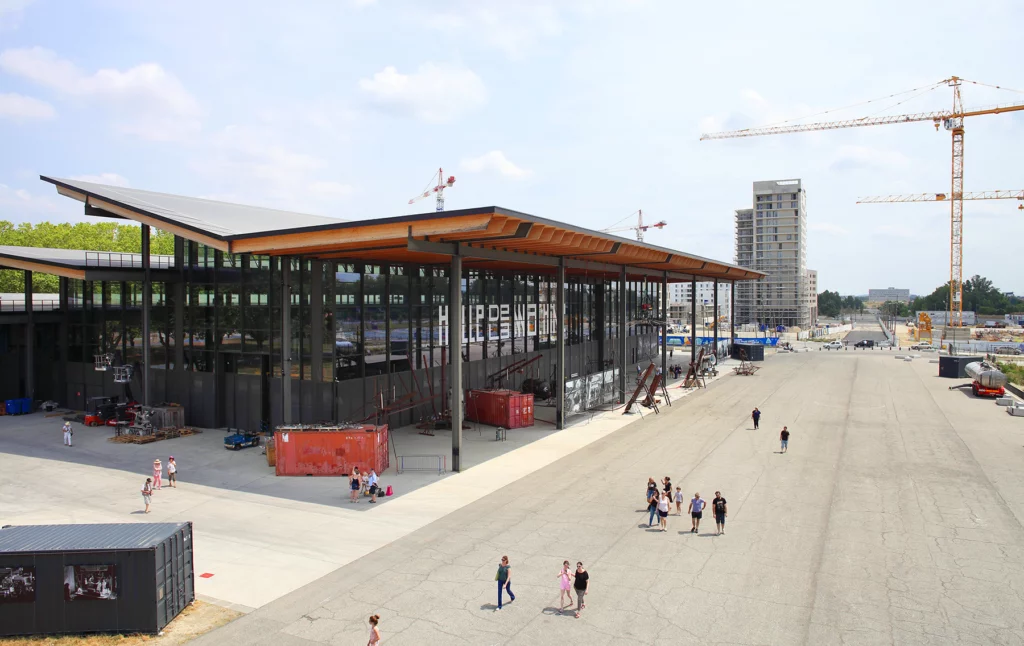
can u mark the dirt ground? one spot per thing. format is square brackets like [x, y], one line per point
[194, 621]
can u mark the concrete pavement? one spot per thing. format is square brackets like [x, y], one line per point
[895, 518]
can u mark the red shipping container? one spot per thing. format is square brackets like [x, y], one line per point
[506, 408]
[331, 453]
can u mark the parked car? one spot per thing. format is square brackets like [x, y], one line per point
[1006, 349]
[865, 343]
[924, 347]
[834, 345]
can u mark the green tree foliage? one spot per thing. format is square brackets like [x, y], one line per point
[829, 304]
[979, 295]
[91, 236]
[832, 305]
[895, 308]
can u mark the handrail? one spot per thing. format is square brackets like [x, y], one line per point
[126, 260]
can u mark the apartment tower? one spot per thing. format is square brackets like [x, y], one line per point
[772, 237]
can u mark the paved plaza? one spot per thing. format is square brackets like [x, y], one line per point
[893, 519]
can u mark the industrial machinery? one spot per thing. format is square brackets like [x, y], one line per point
[100, 411]
[953, 121]
[989, 381]
[639, 227]
[437, 189]
[923, 330]
[240, 439]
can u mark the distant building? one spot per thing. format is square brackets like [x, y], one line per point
[812, 295]
[679, 299]
[772, 238]
[889, 294]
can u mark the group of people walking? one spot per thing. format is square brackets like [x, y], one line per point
[659, 504]
[157, 481]
[569, 581]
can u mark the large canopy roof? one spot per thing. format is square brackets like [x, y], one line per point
[490, 236]
[78, 263]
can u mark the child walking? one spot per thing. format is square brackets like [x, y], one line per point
[158, 474]
[679, 501]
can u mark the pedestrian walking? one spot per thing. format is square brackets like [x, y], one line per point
[353, 485]
[652, 489]
[581, 583]
[666, 486]
[756, 416]
[372, 480]
[565, 585]
[696, 510]
[721, 509]
[663, 506]
[784, 438]
[67, 433]
[374, 631]
[679, 501]
[652, 507]
[147, 493]
[158, 474]
[172, 472]
[504, 579]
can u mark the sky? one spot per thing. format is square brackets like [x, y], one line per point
[576, 110]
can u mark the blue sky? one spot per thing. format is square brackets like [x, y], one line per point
[576, 110]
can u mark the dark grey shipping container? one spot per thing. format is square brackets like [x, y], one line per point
[126, 578]
[954, 367]
[748, 351]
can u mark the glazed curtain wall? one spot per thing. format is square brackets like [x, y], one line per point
[366, 319]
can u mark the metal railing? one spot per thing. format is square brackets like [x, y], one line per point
[437, 463]
[126, 260]
[37, 306]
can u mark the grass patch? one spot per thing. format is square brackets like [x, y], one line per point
[192, 622]
[1013, 371]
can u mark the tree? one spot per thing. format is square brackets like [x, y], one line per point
[979, 295]
[90, 236]
[830, 304]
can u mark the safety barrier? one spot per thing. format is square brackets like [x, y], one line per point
[437, 463]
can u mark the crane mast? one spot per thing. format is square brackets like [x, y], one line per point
[953, 121]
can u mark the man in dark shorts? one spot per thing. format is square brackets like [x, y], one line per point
[721, 510]
[784, 438]
[696, 511]
[756, 416]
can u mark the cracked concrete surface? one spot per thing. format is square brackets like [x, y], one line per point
[895, 518]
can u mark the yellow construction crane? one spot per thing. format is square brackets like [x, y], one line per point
[952, 120]
[941, 197]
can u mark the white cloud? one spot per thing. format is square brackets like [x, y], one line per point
[19, 205]
[434, 93]
[150, 102]
[495, 161]
[24, 108]
[753, 96]
[248, 165]
[110, 179]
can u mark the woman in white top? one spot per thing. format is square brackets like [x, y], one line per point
[663, 505]
[172, 472]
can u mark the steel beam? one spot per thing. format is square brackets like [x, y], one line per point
[316, 325]
[455, 357]
[179, 303]
[732, 315]
[664, 329]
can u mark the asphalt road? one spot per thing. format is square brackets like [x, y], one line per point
[895, 518]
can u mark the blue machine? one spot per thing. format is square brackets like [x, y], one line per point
[241, 439]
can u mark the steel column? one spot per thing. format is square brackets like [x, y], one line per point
[30, 341]
[455, 357]
[316, 327]
[64, 332]
[286, 340]
[693, 319]
[560, 349]
[664, 328]
[715, 297]
[622, 335]
[732, 316]
[179, 303]
[147, 303]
